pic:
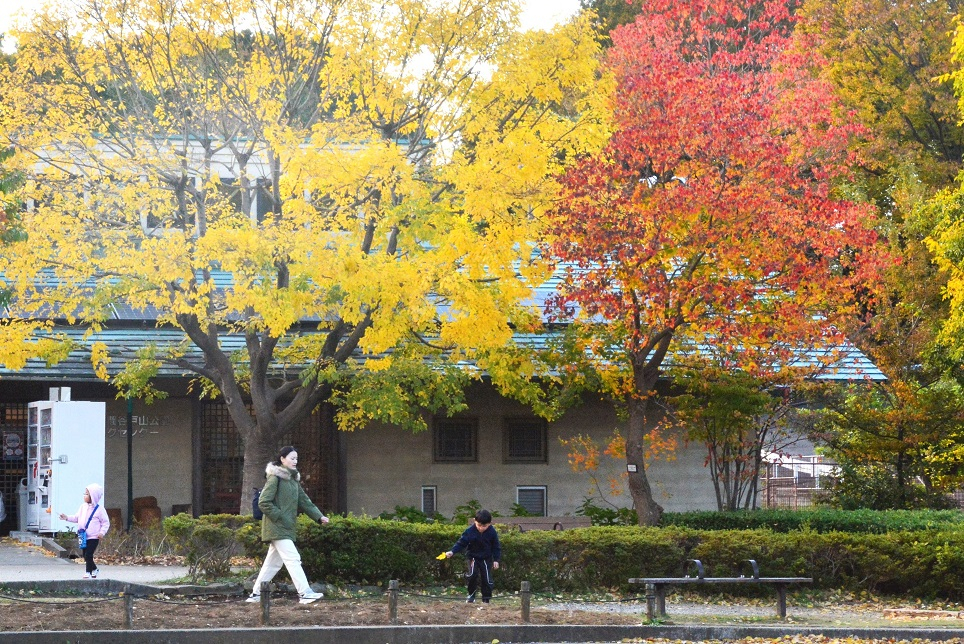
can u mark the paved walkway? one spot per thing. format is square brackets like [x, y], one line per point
[24, 562]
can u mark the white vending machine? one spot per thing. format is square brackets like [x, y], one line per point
[65, 453]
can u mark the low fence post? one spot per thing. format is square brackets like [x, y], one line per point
[393, 601]
[650, 602]
[265, 603]
[526, 594]
[128, 607]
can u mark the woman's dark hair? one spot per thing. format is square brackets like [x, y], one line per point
[284, 451]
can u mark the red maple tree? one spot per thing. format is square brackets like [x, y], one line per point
[713, 215]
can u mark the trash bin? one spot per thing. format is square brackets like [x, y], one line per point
[22, 506]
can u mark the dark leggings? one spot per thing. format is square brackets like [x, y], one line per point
[89, 554]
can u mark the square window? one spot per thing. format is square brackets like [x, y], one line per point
[456, 440]
[524, 440]
[532, 498]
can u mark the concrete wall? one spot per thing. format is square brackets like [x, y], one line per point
[387, 467]
[161, 450]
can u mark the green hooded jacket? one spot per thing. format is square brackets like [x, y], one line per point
[281, 500]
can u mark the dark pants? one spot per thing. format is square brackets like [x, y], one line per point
[89, 554]
[480, 574]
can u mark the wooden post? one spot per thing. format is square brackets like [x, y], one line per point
[650, 602]
[265, 603]
[128, 607]
[393, 601]
[526, 593]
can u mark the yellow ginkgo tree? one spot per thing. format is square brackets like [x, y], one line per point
[347, 190]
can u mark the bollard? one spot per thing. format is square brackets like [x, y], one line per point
[265, 603]
[393, 601]
[526, 593]
[650, 602]
[128, 607]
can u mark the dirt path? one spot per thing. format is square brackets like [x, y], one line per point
[31, 612]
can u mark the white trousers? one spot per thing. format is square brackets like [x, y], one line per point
[283, 553]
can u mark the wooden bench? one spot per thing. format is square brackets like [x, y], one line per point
[524, 524]
[656, 586]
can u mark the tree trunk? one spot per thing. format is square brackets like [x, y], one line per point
[647, 509]
[258, 451]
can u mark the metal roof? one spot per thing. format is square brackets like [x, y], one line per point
[130, 329]
[841, 363]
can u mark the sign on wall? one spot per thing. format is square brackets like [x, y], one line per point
[140, 424]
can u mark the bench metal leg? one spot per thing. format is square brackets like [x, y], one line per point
[781, 600]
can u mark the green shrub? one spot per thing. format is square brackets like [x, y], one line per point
[818, 519]
[409, 513]
[863, 485]
[208, 543]
[466, 512]
[919, 562]
[607, 516]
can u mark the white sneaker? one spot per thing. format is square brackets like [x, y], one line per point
[86, 575]
[254, 599]
[309, 597]
[95, 573]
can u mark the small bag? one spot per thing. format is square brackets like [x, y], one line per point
[82, 533]
[255, 508]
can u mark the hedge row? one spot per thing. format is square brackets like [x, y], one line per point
[922, 563]
[819, 520]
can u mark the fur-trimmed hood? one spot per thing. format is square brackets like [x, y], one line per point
[281, 472]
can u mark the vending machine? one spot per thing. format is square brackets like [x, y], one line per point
[65, 453]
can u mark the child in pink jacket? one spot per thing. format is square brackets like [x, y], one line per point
[97, 528]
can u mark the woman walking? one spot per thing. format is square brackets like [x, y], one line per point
[281, 500]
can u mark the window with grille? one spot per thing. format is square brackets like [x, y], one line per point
[428, 500]
[524, 440]
[222, 452]
[532, 498]
[456, 440]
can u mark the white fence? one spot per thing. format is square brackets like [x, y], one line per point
[795, 482]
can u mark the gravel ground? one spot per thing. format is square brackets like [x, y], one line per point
[739, 611]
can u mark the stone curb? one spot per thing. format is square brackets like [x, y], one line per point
[114, 587]
[52, 546]
[468, 634]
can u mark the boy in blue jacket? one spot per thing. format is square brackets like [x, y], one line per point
[483, 551]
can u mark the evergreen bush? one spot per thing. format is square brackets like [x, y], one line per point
[818, 520]
[919, 562]
[208, 543]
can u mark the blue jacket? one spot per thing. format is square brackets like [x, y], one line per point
[479, 545]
